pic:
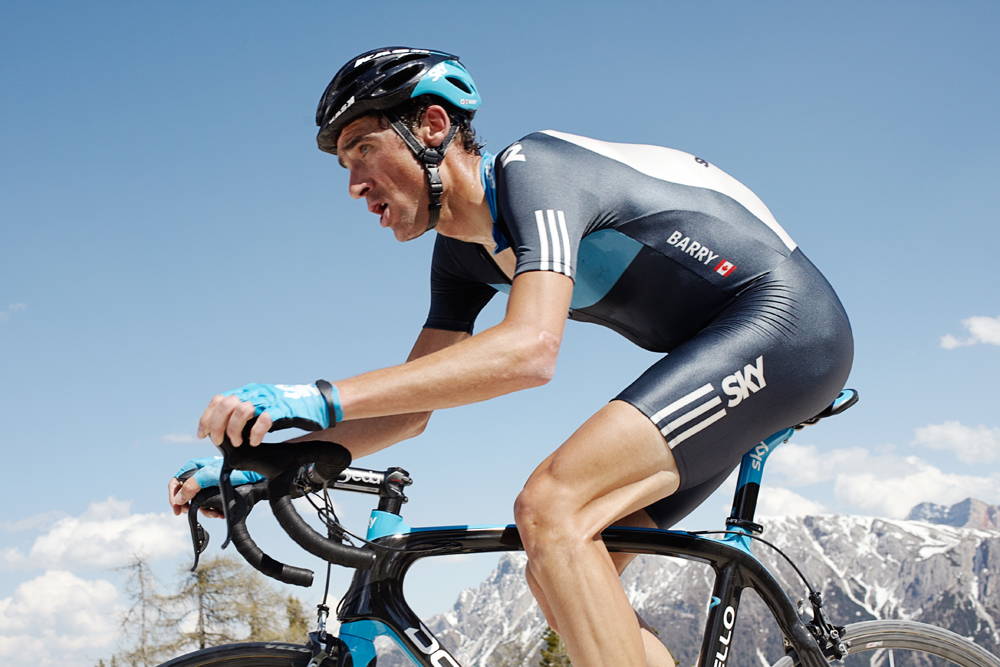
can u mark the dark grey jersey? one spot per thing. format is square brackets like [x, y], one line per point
[657, 241]
[679, 257]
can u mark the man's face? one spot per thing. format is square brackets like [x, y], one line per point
[384, 173]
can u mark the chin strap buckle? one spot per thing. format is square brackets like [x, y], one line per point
[430, 158]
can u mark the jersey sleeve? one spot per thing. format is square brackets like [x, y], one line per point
[545, 207]
[456, 298]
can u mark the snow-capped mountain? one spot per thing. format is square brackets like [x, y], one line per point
[970, 513]
[940, 566]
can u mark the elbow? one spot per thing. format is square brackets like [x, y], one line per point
[417, 423]
[538, 359]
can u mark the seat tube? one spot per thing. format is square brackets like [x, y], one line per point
[751, 472]
[718, 637]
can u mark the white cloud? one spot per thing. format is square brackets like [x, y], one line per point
[11, 309]
[106, 535]
[180, 438]
[883, 483]
[981, 330]
[58, 619]
[779, 501]
[972, 444]
[894, 491]
[801, 465]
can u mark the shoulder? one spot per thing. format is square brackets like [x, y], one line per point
[533, 148]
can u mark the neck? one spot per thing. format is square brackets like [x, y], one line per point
[465, 214]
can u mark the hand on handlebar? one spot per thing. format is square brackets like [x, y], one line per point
[198, 474]
[276, 406]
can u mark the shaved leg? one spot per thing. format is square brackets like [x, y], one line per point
[613, 466]
[657, 654]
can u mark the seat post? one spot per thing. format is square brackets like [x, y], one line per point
[752, 465]
[748, 483]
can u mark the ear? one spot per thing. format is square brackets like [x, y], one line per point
[434, 125]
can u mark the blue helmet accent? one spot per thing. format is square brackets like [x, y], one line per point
[452, 82]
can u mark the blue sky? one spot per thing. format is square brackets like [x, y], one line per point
[169, 231]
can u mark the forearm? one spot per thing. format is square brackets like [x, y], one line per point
[367, 436]
[500, 360]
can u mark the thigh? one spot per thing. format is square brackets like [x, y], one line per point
[615, 464]
[666, 512]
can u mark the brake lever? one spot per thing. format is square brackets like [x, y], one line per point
[226, 489]
[226, 485]
[199, 536]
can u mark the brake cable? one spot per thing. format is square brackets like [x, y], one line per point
[834, 634]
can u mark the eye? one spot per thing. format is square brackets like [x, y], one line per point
[363, 149]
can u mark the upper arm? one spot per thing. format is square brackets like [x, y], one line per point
[456, 297]
[539, 304]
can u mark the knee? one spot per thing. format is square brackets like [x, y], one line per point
[544, 512]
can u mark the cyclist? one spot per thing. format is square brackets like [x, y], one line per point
[657, 244]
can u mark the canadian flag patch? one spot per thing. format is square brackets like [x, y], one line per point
[724, 268]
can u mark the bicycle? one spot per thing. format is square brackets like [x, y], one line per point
[374, 604]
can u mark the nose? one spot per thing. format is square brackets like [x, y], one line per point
[358, 186]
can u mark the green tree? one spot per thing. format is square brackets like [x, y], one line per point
[553, 652]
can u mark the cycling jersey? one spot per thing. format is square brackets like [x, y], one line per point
[679, 257]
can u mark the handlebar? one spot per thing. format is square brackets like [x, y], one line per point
[291, 469]
[305, 535]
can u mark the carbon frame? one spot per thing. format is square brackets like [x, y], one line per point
[374, 603]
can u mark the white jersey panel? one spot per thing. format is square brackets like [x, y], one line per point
[676, 166]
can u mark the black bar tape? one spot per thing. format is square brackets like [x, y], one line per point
[306, 536]
[253, 554]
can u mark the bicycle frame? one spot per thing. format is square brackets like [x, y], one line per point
[374, 604]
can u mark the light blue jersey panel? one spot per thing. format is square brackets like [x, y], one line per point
[601, 260]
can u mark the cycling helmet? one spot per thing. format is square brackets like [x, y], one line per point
[382, 79]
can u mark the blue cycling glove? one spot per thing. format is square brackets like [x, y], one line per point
[309, 406]
[207, 471]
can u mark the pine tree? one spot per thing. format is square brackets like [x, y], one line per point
[228, 602]
[224, 600]
[298, 622]
[553, 652]
[141, 626]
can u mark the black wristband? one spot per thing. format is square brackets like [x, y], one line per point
[326, 391]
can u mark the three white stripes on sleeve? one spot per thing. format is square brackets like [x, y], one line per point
[552, 236]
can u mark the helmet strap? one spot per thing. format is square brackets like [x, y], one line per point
[430, 158]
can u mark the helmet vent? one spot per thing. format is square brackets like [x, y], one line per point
[352, 75]
[397, 79]
[401, 60]
[458, 83]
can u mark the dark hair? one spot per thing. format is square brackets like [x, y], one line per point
[411, 111]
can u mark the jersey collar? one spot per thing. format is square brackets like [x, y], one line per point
[488, 178]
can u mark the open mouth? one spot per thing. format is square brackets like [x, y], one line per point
[380, 209]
